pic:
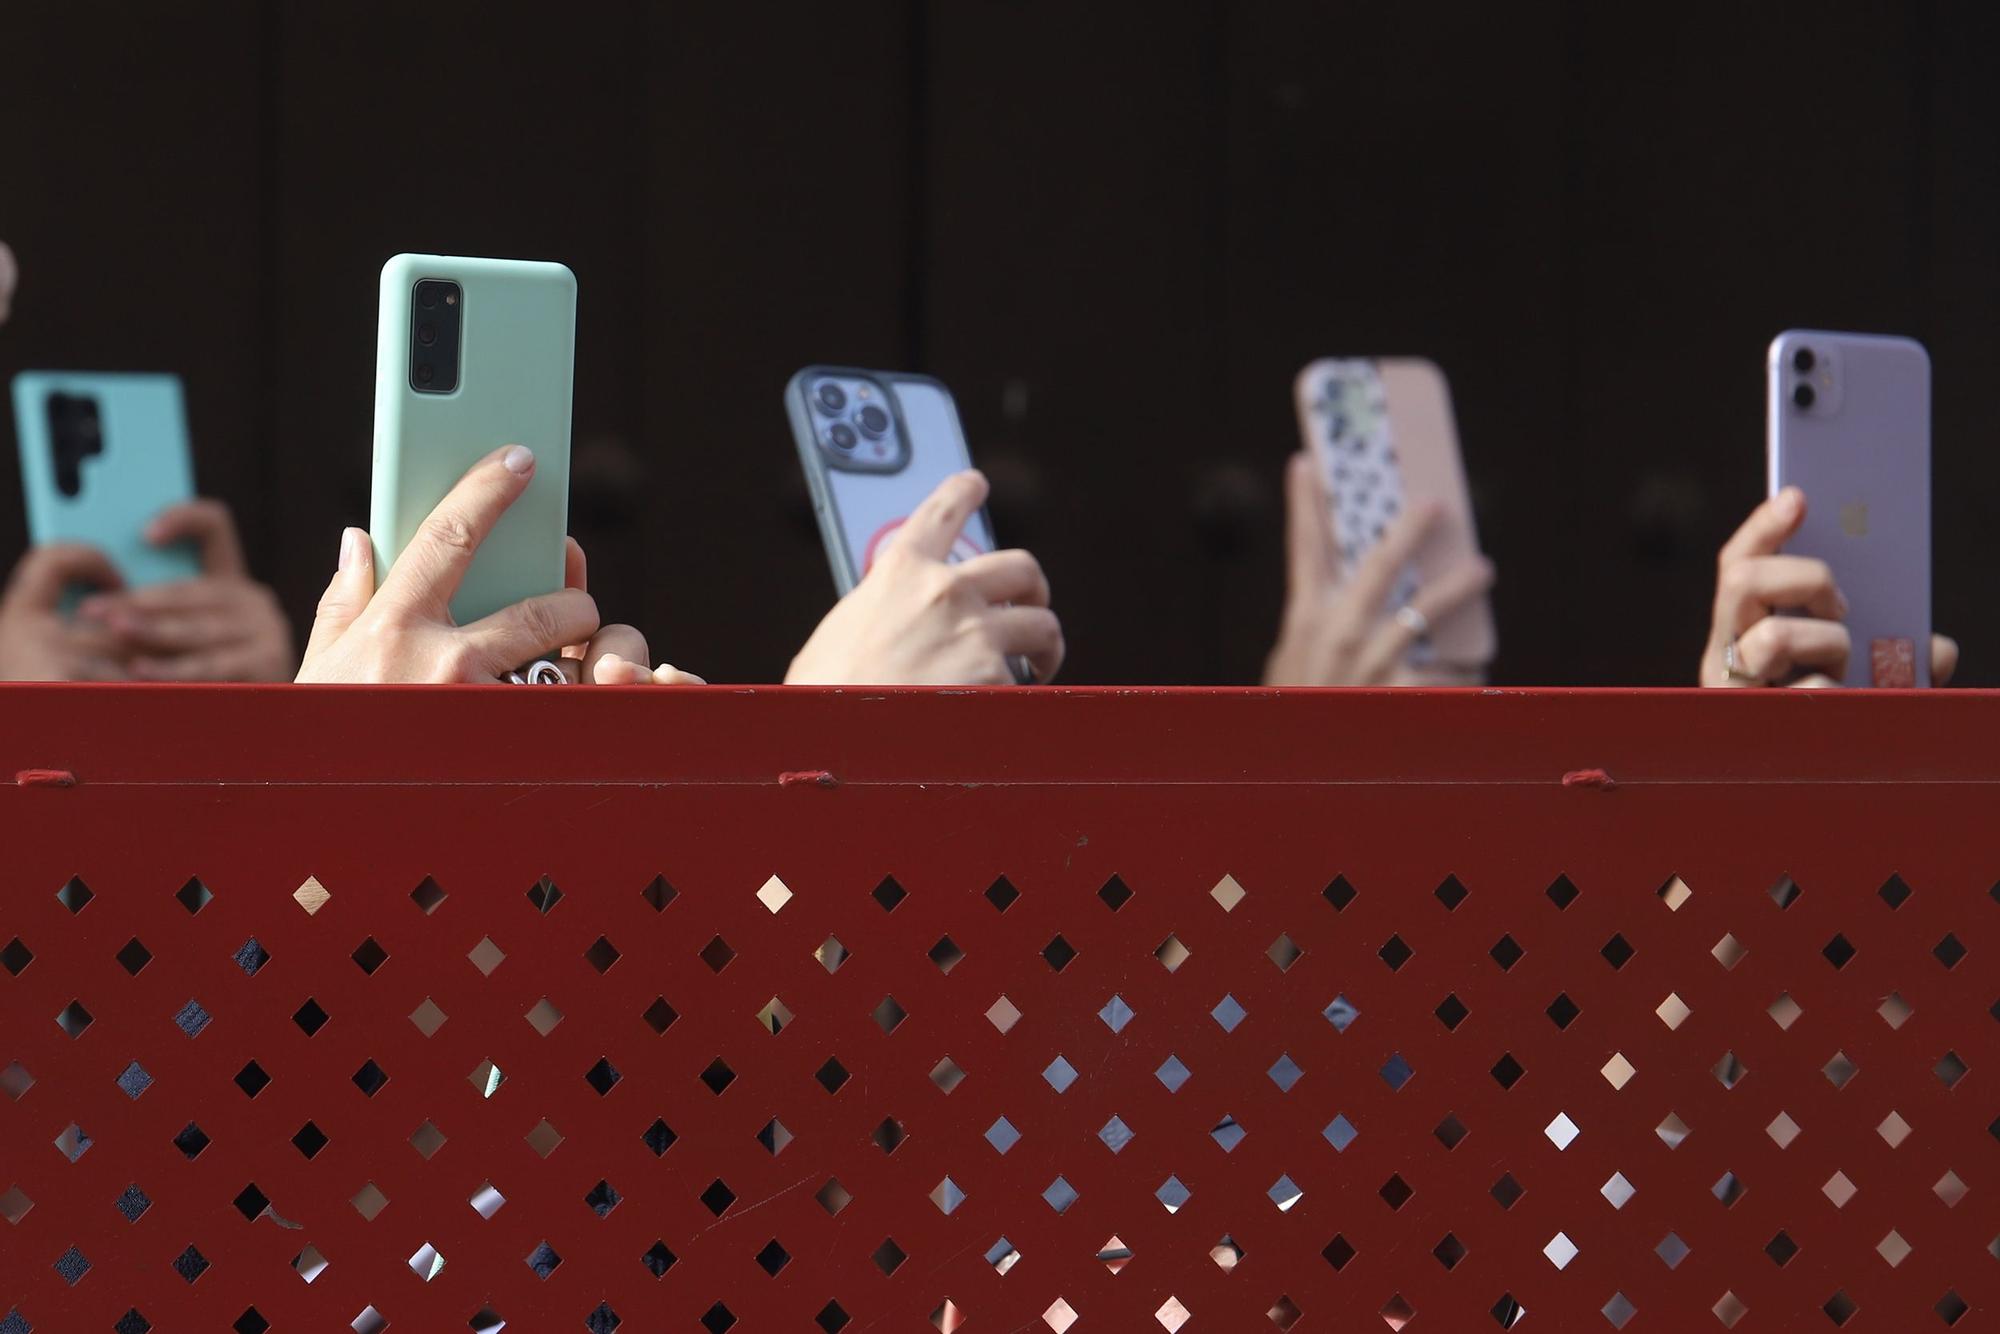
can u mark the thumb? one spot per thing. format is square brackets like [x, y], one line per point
[346, 595]
[933, 527]
[43, 574]
[1768, 527]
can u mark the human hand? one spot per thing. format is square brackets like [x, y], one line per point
[10, 274]
[403, 631]
[1338, 628]
[916, 620]
[1750, 643]
[617, 654]
[38, 642]
[220, 626]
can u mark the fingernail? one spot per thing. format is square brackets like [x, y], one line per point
[351, 540]
[1840, 603]
[519, 459]
[92, 609]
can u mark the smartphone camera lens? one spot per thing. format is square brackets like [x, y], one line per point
[841, 436]
[1803, 360]
[831, 397]
[427, 334]
[1803, 395]
[872, 420]
[427, 295]
[426, 373]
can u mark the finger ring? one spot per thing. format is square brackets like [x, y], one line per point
[542, 672]
[1732, 666]
[1413, 620]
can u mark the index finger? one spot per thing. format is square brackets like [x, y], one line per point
[1767, 528]
[43, 574]
[208, 524]
[1376, 574]
[1309, 538]
[432, 566]
[933, 527]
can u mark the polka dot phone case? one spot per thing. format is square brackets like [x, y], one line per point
[1383, 433]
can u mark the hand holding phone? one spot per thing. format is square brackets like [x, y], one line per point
[395, 625]
[39, 641]
[920, 616]
[102, 456]
[1849, 434]
[1386, 444]
[472, 355]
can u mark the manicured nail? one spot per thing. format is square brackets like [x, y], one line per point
[519, 458]
[352, 541]
[1840, 603]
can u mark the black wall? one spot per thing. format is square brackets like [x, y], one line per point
[1116, 229]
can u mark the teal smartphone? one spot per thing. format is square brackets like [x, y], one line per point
[102, 453]
[470, 355]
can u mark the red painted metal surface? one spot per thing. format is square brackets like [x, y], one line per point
[1224, 1011]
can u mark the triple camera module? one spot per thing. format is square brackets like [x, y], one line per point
[855, 430]
[76, 432]
[436, 310]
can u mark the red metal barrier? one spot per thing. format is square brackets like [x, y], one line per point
[1127, 1011]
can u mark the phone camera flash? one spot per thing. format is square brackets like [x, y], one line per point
[451, 298]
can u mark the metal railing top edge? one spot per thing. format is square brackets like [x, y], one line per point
[1597, 740]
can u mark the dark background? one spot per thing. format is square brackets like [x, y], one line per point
[1116, 229]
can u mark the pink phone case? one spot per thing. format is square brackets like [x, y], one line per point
[1385, 437]
[1850, 425]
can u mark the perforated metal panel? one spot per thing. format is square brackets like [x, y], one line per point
[562, 1010]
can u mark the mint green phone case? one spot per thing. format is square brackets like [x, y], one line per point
[138, 466]
[516, 353]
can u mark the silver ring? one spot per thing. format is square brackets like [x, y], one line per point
[1413, 620]
[542, 672]
[1732, 666]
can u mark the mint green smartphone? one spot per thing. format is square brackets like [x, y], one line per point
[470, 355]
[101, 455]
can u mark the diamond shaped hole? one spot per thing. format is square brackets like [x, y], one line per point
[486, 956]
[543, 1016]
[544, 1139]
[544, 895]
[311, 895]
[427, 1139]
[486, 1077]
[1003, 1014]
[774, 1017]
[602, 954]
[774, 894]
[429, 896]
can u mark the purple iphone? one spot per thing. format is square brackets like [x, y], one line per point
[1850, 425]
